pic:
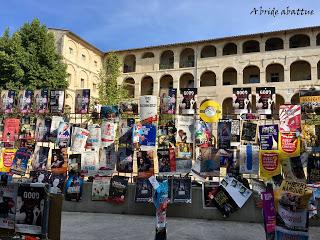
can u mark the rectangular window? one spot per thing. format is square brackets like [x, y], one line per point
[82, 83]
[69, 77]
[70, 50]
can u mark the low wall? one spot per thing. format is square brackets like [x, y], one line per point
[248, 213]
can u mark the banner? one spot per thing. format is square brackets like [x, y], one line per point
[25, 101]
[224, 134]
[188, 104]
[148, 109]
[265, 100]
[268, 137]
[168, 98]
[249, 159]
[290, 118]
[82, 101]
[242, 100]
[269, 161]
[41, 100]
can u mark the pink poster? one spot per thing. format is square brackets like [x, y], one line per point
[290, 118]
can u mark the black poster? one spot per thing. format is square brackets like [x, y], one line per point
[224, 202]
[143, 190]
[118, 189]
[181, 190]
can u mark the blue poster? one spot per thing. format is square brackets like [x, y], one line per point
[20, 161]
[145, 134]
[268, 136]
[109, 112]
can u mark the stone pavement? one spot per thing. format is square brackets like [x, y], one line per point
[100, 226]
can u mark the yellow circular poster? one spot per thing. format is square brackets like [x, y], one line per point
[210, 111]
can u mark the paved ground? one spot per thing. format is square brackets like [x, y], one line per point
[98, 226]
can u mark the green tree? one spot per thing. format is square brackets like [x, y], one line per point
[29, 60]
[110, 92]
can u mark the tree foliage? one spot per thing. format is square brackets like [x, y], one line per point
[110, 92]
[28, 59]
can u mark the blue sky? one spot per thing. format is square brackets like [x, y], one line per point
[123, 24]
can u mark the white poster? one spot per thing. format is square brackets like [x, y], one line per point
[108, 133]
[89, 163]
[249, 159]
[185, 129]
[148, 108]
[78, 139]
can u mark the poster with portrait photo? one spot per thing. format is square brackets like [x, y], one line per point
[31, 209]
[41, 100]
[181, 190]
[6, 159]
[125, 160]
[235, 132]
[82, 101]
[55, 123]
[110, 112]
[126, 131]
[144, 136]
[89, 163]
[94, 138]
[74, 187]
[56, 182]
[118, 189]
[43, 127]
[100, 188]
[185, 129]
[145, 162]
[249, 132]
[59, 161]
[57, 101]
[203, 134]
[269, 136]
[148, 109]
[8, 195]
[168, 99]
[249, 159]
[64, 135]
[290, 118]
[20, 161]
[25, 101]
[167, 136]
[209, 189]
[265, 100]
[7, 101]
[242, 100]
[224, 134]
[129, 108]
[292, 168]
[107, 161]
[143, 190]
[188, 104]
[40, 159]
[166, 160]
[27, 130]
[41, 176]
[108, 133]
[74, 163]
[184, 155]
[309, 101]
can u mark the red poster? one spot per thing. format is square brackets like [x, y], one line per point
[290, 118]
[11, 130]
[289, 144]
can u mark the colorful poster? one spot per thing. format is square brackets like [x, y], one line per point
[107, 161]
[7, 156]
[27, 130]
[210, 111]
[145, 161]
[265, 100]
[310, 100]
[41, 100]
[203, 134]
[143, 190]
[63, 136]
[148, 109]
[89, 163]
[235, 132]
[209, 189]
[290, 118]
[185, 129]
[11, 129]
[100, 188]
[20, 161]
[168, 98]
[269, 161]
[224, 134]
[188, 105]
[74, 163]
[94, 138]
[82, 101]
[289, 144]
[78, 139]
[311, 136]
[40, 159]
[167, 136]
[181, 190]
[184, 153]
[7, 101]
[25, 101]
[125, 160]
[31, 209]
[242, 100]
[269, 214]
[224, 202]
[249, 132]
[268, 137]
[110, 112]
[292, 168]
[166, 160]
[130, 108]
[209, 161]
[144, 136]
[59, 161]
[73, 189]
[43, 127]
[8, 194]
[249, 159]
[118, 189]
[56, 101]
[108, 133]
[56, 182]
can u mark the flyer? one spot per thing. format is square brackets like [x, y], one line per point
[59, 161]
[94, 138]
[100, 188]
[56, 182]
[289, 144]
[78, 139]
[249, 132]
[265, 100]
[74, 163]
[269, 161]
[249, 159]
[57, 101]
[126, 131]
[145, 136]
[27, 130]
[290, 118]
[11, 129]
[292, 168]
[168, 99]
[268, 137]
[235, 132]
[55, 123]
[181, 190]
[166, 137]
[145, 161]
[224, 202]
[143, 190]
[25, 101]
[73, 189]
[188, 105]
[82, 101]
[242, 100]
[43, 127]
[209, 161]
[148, 109]
[184, 153]
[107, 161]
[41, 100]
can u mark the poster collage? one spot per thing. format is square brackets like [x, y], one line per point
[173, 140]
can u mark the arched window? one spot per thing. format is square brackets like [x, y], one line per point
[229, 49]
[166, 60]
[300, 71]
[275, 73]
[251, 46]
[251, 74]
[208, 51]
[230, 76]
[147, 55]
[227, 107]
[186, 81]
[147, 86]
[274, 44]
[208, 78]
[166, 81]
[187, 58]
[130, 86]
[279, 101]
[129, 63]
[295, 99]
[318, 69]
[318, 40]
[299, 40]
